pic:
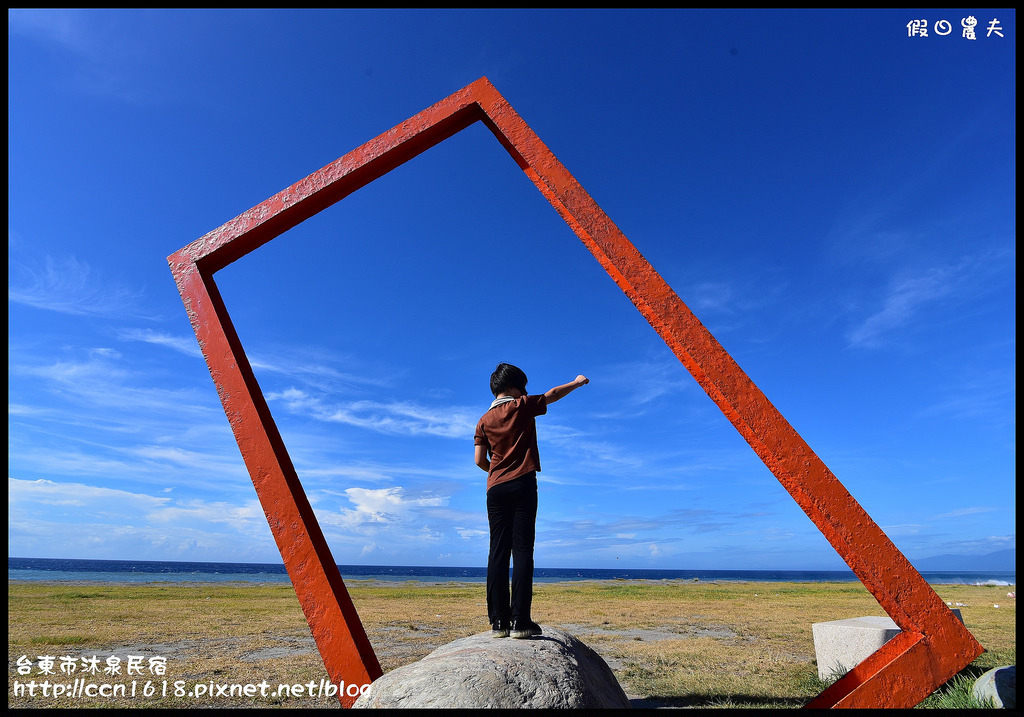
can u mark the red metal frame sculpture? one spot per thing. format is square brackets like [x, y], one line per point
[933, 644]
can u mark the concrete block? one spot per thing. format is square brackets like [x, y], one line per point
[841, 645]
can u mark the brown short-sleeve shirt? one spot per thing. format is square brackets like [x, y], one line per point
[509, 433]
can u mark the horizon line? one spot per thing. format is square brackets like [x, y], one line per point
[481, 567]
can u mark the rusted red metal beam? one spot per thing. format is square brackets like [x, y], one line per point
[933, 645]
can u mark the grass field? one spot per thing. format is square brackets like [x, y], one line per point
[670, 643]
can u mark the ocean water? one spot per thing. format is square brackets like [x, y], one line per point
[148, 571]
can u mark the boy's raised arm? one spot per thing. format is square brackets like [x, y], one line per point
[565, 389]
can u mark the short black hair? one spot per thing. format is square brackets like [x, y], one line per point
[507, 376]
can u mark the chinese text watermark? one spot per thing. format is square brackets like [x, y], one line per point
[130, 676]
[921, 27]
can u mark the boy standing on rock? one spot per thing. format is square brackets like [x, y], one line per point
[506, 447]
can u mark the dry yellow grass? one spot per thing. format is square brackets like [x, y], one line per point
[669, 642]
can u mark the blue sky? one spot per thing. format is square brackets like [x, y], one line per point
[833, 198]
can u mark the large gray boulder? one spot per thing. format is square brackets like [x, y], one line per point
[999, 685]
[552, 670]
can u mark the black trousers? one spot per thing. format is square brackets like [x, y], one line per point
[512, 514]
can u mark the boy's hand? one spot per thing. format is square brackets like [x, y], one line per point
[582, 380]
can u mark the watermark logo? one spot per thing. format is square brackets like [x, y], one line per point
[116, 677]
[921, 27]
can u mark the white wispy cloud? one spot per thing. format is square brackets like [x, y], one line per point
[735, 298]
[913, 291]
[902, 530]
[389, 417]
[327, 466]
[80, 495]
[182, 344]
[222, 464]
[196, 471]
[711, 296]
[102, 378]
[99, 367]
[980, 395]
[99, 415]
[376, 506]
[406, 418]
[73, 461]
[960, 512]
[60, 27]
[244, 516]
[644, 382]
[313, 367]
[69, 286]
[101, 52]
[68, 519]
[16, 409]
[905, 297]
[388, 522]
[639, 529]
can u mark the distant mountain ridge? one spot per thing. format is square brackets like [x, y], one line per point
[1002, 560]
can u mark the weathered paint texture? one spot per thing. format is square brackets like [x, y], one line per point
[933, 644]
